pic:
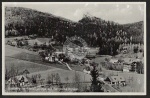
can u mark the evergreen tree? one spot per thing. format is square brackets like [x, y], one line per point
[96, 85]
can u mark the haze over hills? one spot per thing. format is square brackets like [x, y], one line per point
[25, 21]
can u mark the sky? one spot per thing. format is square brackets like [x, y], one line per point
[120, 13]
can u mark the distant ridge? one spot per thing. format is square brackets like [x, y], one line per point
[28, 21]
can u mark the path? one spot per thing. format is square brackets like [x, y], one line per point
[63, 63]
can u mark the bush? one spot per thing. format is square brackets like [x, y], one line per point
[140, 68]
[135, 49]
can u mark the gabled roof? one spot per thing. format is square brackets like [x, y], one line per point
[116, 78]
[113, 60]
[20, 77]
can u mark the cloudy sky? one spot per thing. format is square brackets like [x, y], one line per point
[120, 13]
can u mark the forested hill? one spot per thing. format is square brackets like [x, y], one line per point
[136, 30]
[28, 21]
[95, 31]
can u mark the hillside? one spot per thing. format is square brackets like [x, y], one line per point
[27, 21]
[136, 30]
[95, 31]
[19, 14]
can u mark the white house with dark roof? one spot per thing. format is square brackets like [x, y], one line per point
[18, 81]
[113, 60]
[114, 80]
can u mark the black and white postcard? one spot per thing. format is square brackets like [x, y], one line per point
[74, 48]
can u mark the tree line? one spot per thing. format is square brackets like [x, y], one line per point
[96, 32]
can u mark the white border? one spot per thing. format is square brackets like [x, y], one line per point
[58, 93]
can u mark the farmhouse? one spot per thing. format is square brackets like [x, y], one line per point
[51, 57]
[86, 71]
[114, 80]
[13, 82]
[126, 67]
[113, 61]
[18, 81]
[14, 43]
[130, 64]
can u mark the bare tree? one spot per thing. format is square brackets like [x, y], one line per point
[57, 78]
[77, 80]
[67, 79]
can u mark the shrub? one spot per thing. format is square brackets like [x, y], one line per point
[135, 49]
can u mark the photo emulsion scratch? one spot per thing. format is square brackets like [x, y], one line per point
[84, 48]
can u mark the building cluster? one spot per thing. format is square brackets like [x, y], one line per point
[128, 64]
[129, 48]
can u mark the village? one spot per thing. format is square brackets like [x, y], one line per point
[77, 51]
[49, 52]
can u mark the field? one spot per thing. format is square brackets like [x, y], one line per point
[21, 65]
[24, 55]
[64, 74]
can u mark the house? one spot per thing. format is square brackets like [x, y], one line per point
[125, 49]
[26, 38]
[22, 80]
[51, 57]
[14, 43]
[126, 67]
[113, 60]
[86, 71]
[18, 81]
[13, 82]
[114, 80]
[130, 64]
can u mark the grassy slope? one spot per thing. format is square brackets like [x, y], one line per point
[63, 74]
[10, 51]
[20, 57]
[21, 65]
